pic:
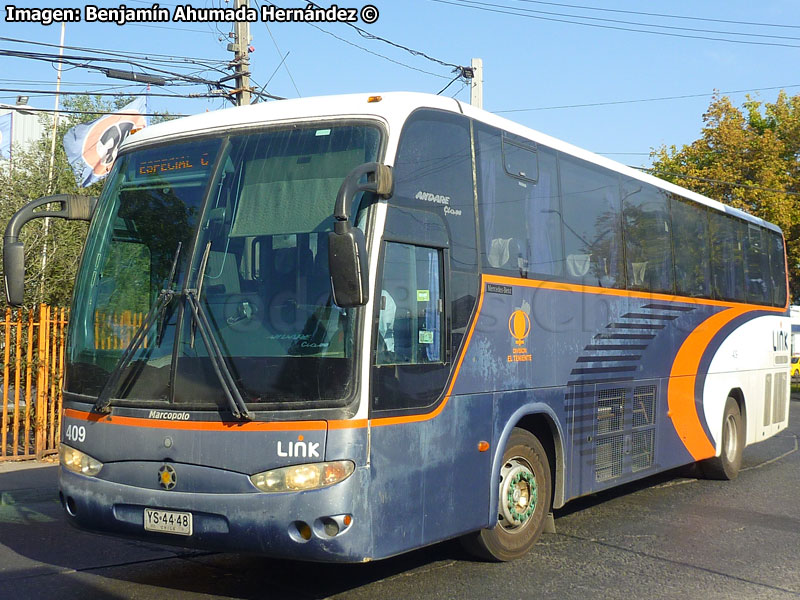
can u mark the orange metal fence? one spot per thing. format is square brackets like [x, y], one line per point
[33, 346]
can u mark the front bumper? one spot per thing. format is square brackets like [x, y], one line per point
[267, 524]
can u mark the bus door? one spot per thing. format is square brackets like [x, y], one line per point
[420, 451]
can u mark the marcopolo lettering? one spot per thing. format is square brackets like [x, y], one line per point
[169, 415]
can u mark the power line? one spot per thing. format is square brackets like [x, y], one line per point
[172, 28]
[173, 61]
[452, 81]
[371, 36]
[283, 59]
[543, 12]
[464, 72]
[125, 53]
[516, 13]
[104, 86]
[104, 93]
[613, 102]
[649, 14]
[100, 112]
[85, 62]
[367, 35]
[378, 54]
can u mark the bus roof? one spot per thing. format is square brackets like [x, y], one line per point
[393, 108]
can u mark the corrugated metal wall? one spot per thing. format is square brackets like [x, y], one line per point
[25, 129]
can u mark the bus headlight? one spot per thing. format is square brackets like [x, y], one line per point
[78, 462]
[303, 477]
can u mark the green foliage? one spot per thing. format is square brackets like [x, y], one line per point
[30, 178]
[756, 150]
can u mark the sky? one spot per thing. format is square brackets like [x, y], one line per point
[541, 59]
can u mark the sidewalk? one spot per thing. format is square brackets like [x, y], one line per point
[28, 481]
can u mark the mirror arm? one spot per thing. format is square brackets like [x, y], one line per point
[73, 207]
[379, 181]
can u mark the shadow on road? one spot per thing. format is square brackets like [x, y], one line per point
[41, 544]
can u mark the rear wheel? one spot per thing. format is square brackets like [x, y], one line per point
[728, 463]
[524, 501]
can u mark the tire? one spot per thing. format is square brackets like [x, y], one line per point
[728, 463]
[526, 486]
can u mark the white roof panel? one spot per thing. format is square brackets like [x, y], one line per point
[392, 109]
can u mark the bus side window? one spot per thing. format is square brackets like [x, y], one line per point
[691, 245]
[726, 257]
[592, 223]
[648, 248]
[409, 327]
[756, 266]
[519, 204]
[410, 316]
[777, 267]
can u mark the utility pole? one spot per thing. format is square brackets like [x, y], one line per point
[476, 84]
[241, 49]
[52, 157]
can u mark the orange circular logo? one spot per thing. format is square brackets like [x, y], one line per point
[519, 324]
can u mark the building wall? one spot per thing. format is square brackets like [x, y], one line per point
[25, 129]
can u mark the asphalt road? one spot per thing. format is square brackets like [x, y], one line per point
[670, 536]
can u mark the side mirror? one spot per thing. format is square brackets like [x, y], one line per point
[347, 247]
[72, 207]
[347, 257]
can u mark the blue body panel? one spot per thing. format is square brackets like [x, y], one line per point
[420, 479]
[426, 476]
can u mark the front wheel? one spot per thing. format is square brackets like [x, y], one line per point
[523, 503]
[729, 461]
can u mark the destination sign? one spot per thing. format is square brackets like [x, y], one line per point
[170, 164]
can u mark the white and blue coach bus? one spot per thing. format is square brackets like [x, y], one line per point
[342, 328]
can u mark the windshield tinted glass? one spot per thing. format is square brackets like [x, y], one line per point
[253, 211]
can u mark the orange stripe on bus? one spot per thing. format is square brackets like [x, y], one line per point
[586, 289]
[683, 377]
[416, 418]
[197, 425]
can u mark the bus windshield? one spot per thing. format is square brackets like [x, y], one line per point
[243, 221]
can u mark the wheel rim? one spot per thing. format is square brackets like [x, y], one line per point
[731, 437]
[518, 494]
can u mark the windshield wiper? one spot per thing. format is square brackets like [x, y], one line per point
[223, 373]
[232, 394]
[103, 403]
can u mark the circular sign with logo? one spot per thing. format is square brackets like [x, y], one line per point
[519, 324]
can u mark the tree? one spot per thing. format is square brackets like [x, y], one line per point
[748, 158]
[30, 180]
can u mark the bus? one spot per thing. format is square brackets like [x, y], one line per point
[342, 328]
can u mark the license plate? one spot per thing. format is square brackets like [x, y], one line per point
[168, 521]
